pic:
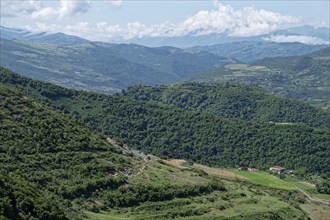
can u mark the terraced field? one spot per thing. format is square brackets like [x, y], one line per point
[237, 201]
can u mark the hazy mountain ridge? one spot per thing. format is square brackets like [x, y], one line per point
[104, 67]
[304, 78]
[41, 37]
[322, 33]
[170, 59]
[109, 68]
[251, 51]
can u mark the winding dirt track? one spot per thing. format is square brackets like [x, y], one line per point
[315, 200]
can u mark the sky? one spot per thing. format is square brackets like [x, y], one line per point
[111, 19]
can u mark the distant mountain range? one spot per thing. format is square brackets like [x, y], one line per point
[70, 154]
[77, 63]
[250, 51]
[41, 37]
[320, 33]
[317, 35]
[106, 68]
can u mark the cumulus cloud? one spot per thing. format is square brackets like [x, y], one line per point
[37, 10]
[66, 9]
[223, 18]
[296, 38]
[19, 7]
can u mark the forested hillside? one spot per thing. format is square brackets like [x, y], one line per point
[54, 167]
[172, 132]
[233, 101]
[304, 78]
[47, 158]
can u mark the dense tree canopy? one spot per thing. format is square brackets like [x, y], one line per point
[200, 136]
[233, 101]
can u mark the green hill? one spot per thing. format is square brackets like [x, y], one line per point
[53, 155]
[233, 101]
[54, 167]
[304, 78]
[175, 133]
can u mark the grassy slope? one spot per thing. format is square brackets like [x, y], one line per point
[237, 202]
[265, 179]
[316, 212]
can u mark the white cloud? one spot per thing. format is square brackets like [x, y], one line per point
[115, 3]
[19, 7]
[72, 7]
[296, 38]
[223, 18]
[45, 13]
[66, 9]
[106, 32]
[36, 10]
[80, 27]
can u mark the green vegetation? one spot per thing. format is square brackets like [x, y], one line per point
[308, 187]
[233, 101]
[241, 203]
[102, 67]
[202, 137]
[265, 179]
[20, 199]
[52, 164]
[323, 186]
[54, 167]
[304, 78]
[43, 149]
[316, 211]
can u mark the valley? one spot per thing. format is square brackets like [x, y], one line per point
[121, 185]
[142, 110]
[128, 184]
[101, 67]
